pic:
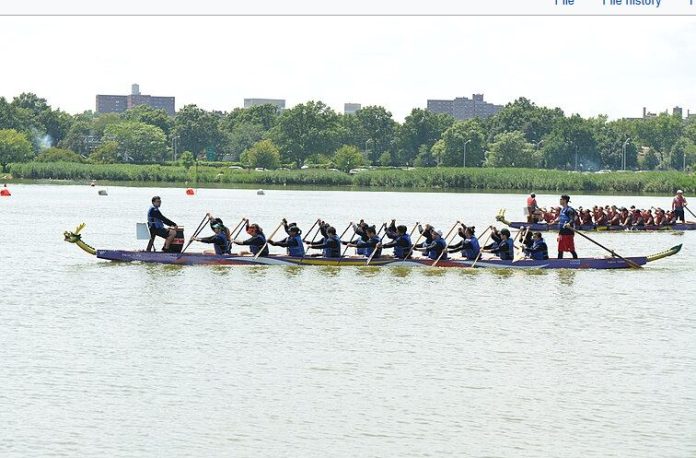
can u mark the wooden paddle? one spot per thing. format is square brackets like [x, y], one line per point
[195, 234]
[413, 230]
[613, 253]
[444, 250]
[689, 210]
[481, 250]
[310, 231]
[267, 239]
[378, 246]
[519, 248]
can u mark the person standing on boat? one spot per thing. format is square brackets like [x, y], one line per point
[156, 221]
[330, 244]
[539, 250]
[566, 221]
[293, 242]
[256, 241]
[367, 247]
[220, 240]
[401, 241]
[678, 204]
[436, 247]
[469, 245]
[532, 208]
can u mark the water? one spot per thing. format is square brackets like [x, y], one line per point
[106, 359]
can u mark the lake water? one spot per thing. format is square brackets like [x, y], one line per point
[106, 359]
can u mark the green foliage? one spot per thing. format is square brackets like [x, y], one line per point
[197, 130]
[510, 149]
[58, 155]
[137, 142]
[305, 130]
[348, 157]
[263, 154]
[14, 147]
[419, 132]
[152, 116]
[106, 153]
[187, 159]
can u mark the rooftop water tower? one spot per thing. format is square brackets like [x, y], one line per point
[135, 89]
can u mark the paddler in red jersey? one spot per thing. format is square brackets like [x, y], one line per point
[532, 208]
[678, 204]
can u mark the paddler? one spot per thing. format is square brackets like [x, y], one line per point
[330, 244]
[539, 250]
[434, 250]
[678, 205]
[401, 241]
[256, 240]
[220, 240]
[293, 242]
[503, 244]
[371, 244]
[156, 221]
[469, 245]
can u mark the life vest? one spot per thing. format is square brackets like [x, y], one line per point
[539, 250]
[506, 249]
[152, 221]
[222, 244]
[402, 251]
[298, 250]
[439, 247]
[473, 248]
[332, 252]
[373, 241]
[567, 215]
[259, 243]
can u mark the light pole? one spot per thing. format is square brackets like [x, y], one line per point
[623, 161]
[465, 143]
[174, 141]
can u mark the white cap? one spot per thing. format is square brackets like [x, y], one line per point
[439, 233]
[680, 192]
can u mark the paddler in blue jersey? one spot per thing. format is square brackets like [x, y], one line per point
[469, 245]
[330, 244]
[436, 246]
[220, 241]
[538, 251]
[566, 221]
[401, 241]
[156, 221]
[256, 241]
[293, 242]
[502, 245]
[366, 247]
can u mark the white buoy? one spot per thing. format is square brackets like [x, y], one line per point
[260, 192]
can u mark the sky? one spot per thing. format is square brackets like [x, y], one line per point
[586, 65]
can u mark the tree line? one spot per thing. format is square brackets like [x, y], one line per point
[521, 135]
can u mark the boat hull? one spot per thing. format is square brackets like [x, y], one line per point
[541, 227]
[236, 260]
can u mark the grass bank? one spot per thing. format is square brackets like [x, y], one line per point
[524, 180]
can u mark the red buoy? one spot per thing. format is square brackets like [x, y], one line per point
[190, 191]
[4, 192]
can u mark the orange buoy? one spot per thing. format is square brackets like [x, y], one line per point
[4, 192]
[190, 191]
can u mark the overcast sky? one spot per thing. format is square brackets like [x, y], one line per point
[586, 65]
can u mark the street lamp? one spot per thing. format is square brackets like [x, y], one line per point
[465, 143]
[623, 161]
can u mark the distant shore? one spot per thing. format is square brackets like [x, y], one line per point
[418, 179]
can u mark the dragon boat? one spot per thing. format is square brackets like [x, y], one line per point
[541, 227]
[281, 260]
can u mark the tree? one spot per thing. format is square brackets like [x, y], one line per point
[682, 154]
[79, 137]
[148, 115]
[660, 134]
[420, 128]
[58, 155]
[454, 139]
[510, 149]
[106, 153]
[187, 159]
[243, 137]
[263, 154]
[48, 126]
[14, 147]
[305, 130]
[377, 129]
[571, 145]
[264, 116]
[198, 130]
[524, 116]
[348, 157]
[137, 142]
